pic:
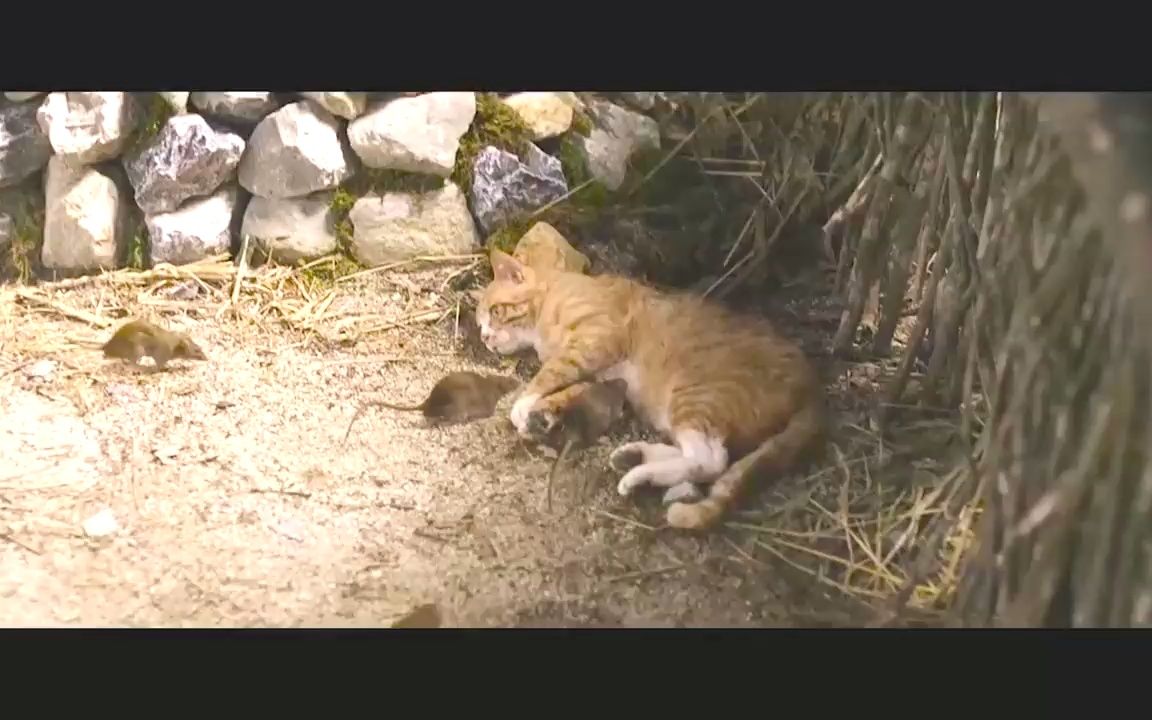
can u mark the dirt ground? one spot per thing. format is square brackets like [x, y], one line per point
[235, 504]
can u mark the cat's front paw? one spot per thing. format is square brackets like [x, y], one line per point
[520, 412]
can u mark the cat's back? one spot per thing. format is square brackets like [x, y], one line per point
[572, 296]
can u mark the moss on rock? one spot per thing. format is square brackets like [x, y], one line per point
[506, 237]
[22, 259]
[581, 122]
[137, 250]
[374, 181]
[575, 167]
[495, 124]
[156, 112]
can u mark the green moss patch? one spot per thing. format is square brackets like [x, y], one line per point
[329, 272]
[138, 248]
[377, 182]
[156, 111]
[575, 167]
[495, 124]
[581, 123]
[505, 238]
[22, 259]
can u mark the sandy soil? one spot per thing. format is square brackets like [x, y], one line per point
[236, 505]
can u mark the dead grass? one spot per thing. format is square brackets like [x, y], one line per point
[293, 350]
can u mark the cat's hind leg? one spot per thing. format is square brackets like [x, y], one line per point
[683, 493]
[631, 454]
[702, 458]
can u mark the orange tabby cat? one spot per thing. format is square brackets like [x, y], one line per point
[719, 385]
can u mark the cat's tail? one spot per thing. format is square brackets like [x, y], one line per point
[777, 454]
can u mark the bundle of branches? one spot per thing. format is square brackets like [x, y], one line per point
[964, 208]
[1066, 472]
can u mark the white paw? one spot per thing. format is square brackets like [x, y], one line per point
[626, 456]
[632, 479]
[520, 410]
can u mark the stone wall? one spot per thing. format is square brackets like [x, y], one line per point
[186, 175]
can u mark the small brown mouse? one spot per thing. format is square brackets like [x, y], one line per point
[588, 413]
[139, 338]
[456, 398]
[426, 616]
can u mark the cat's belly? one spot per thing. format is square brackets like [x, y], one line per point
[630, 374]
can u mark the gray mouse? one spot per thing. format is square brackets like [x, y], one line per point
[457, 397]
[592, 411]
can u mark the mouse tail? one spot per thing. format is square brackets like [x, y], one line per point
[552, 473]
[390, 406]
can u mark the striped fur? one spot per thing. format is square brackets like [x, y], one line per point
[723, 387]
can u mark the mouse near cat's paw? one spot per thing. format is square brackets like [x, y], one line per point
[520, 411]
[540, 423]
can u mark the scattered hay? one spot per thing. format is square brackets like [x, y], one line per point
[298, 297]
[853, 524]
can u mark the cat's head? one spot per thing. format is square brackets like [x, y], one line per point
[506, 308]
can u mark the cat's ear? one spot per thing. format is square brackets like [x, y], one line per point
[506, 268]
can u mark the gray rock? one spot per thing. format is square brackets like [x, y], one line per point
[88, 127]
[504, 188]
[400, 226]
[617, 133]
[294, 152]
[639, 100]
[293, 229]
[416, 134]
[199, 229]
[178, 101]
[186, 159]
[547, 114]
[348, 105]
[242, 107]
[24, 148]
[85, 222]
[22, 96]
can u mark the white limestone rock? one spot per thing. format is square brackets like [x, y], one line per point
[348, 105]
[102, 524]
[88, 127]
[294, 152]
[399, 226]
[24, 148]
[200, 228]
[547, 114]
[178, 101]
[418, 134]
[617, 133]
[293, 229]
[186, 159]
[242, 107]
[85, 220]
